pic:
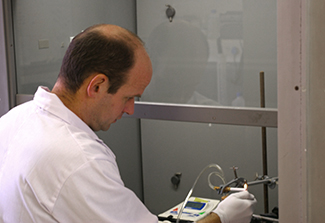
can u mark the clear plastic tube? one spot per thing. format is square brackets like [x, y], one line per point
[219, 174]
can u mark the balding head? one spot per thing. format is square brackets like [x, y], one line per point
[106, 49]
[113, 31]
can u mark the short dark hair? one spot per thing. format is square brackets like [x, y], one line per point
[91, 52]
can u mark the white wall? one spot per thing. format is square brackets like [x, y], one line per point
[301, 109]
[292, 110]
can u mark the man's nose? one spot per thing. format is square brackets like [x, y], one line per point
[129, 107]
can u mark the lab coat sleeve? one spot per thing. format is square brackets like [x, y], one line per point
[96, 193]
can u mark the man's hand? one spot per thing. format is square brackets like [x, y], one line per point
[237, 208]
[212, 218]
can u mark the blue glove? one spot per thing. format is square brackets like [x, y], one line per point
[236, 208]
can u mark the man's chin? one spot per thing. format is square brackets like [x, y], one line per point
[107, 127]
[102, 128]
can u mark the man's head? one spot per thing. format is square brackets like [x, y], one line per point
[104, 68]
[103, 49]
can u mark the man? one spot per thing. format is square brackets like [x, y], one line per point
[53, 167]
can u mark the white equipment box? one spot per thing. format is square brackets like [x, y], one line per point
[195, 209]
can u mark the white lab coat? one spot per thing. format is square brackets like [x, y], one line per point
[54, 168]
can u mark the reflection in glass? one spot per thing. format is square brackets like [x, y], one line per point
[179, 52]
[213, 55]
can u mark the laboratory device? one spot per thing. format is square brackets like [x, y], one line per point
[195, 209]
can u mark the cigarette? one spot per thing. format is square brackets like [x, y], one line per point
[232, 189]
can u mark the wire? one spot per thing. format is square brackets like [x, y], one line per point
[220, 175]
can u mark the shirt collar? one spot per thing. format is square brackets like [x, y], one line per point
[52, 103]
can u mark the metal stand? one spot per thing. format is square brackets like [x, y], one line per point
[264, 149]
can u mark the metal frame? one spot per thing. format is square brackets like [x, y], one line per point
[21, 98]
[4, 92]
[206, 114]
[260, 117]
[10, 51]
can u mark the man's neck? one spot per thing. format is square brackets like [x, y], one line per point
[71, 101]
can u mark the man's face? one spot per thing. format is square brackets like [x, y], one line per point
[111, 107]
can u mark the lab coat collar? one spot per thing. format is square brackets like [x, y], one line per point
[52, 104]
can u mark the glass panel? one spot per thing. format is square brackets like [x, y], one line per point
[42, 31]
[170, 147]
[211, 52]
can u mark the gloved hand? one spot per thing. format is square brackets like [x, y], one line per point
[237, 208]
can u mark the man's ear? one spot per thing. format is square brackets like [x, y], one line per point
[98, 84]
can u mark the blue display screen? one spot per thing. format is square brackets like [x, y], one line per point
[195, 205]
